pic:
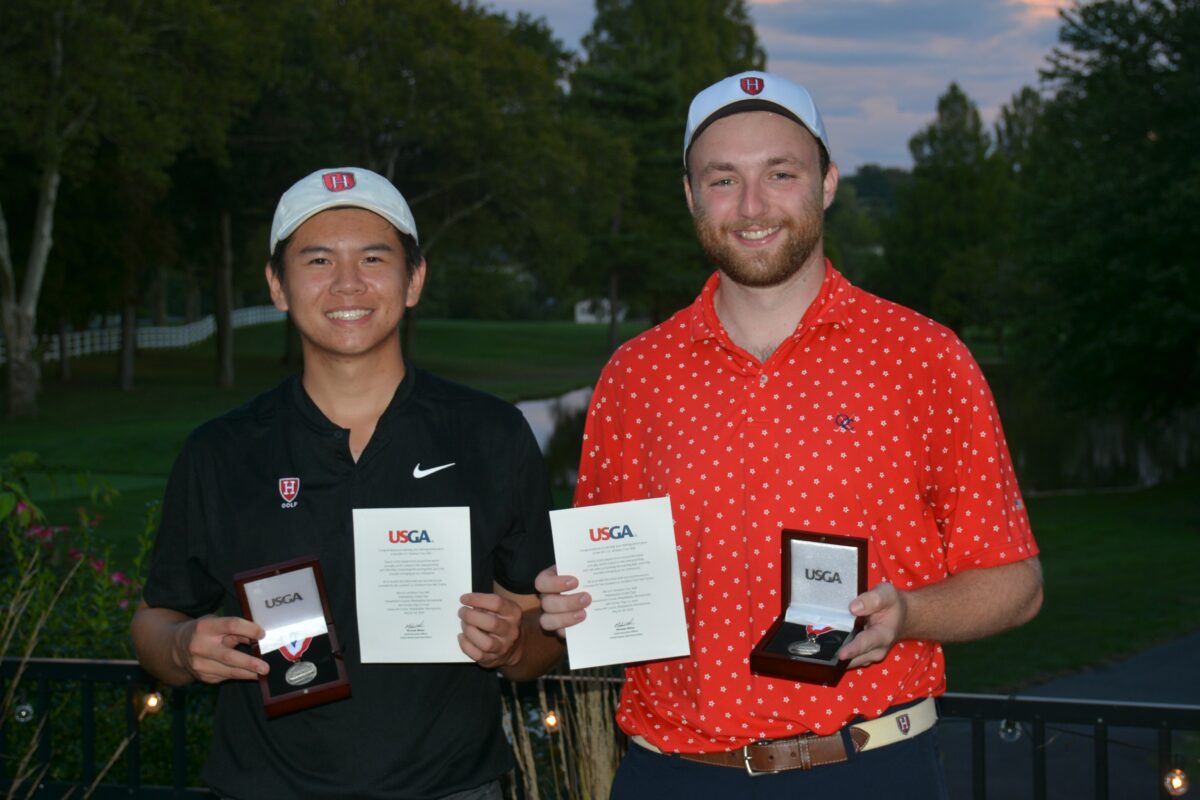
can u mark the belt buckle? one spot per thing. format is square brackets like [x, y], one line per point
[750, 770]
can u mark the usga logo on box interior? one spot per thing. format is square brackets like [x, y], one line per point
[408, 537]
[610, 532]
[827, 575]
[283, 600]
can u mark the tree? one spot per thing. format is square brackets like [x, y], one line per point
[645, 59]
[1017, 127]
[853, 235]
[1009, 288]
[1108, 199]
[76, 75]
[462, 108]
[856, 223]
[944, 245]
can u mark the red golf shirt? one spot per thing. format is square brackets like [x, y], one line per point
[870, 420]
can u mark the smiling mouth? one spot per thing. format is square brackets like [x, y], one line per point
[754, 236]
[348, 314]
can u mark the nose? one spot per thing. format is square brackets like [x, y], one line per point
[347, 279]
[752, 204]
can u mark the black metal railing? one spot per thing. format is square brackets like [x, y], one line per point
[42, 682]
[42, 679]
[1094, 718]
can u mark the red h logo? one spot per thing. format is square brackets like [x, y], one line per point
[338, 181]
[289, 488]
[752, 85]
[904, 724]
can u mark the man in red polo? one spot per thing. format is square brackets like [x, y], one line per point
[786, 398]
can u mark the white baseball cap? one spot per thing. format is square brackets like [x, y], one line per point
[753, 91]
[340, 187]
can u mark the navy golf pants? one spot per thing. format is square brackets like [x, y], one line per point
[908, 770]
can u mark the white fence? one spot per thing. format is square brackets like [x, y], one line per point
[149, 337]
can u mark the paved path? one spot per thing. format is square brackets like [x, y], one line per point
[1169, 673]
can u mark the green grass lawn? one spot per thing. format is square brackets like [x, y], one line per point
[128, 440]
[1112, 587]
[89, 424]
[514, 360]
[1120, 577]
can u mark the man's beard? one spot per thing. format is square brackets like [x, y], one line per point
[769, 268]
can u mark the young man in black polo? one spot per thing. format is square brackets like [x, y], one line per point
[358, 429]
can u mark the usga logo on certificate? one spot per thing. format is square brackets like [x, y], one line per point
[624, 556]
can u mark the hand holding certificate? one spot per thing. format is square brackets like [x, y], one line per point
[624, 556]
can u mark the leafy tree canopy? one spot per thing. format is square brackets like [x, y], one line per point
[643, 62]
[1109, 204]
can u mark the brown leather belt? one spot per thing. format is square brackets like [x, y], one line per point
[777, 755]
[810, 750]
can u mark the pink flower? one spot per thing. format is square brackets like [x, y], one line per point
[98, 564]
[39, 532]
[124, 604]
[120, 578]
[75, 553]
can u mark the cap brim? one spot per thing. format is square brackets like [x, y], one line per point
[742, 106]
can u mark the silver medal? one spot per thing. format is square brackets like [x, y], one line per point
[300, 673]
[804, 647]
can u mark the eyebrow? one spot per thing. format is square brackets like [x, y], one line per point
[320, 248]
[775, 161]
[727, 166]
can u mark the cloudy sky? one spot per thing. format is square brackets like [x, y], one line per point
[876, 67]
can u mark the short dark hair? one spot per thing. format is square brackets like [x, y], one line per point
[412, 253]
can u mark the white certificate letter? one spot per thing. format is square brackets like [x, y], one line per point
[624, 556]
[411, 565]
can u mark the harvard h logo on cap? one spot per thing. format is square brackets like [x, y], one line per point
[338, 181]
[340, 187]
[752, 85]
[753, 91]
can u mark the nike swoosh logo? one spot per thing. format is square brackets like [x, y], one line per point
[419, 473]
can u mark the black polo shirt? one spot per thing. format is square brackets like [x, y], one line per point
[409, 730]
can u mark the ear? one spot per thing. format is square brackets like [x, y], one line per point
[830, 184]
[276, 288]
[687, 193]
[416, 282]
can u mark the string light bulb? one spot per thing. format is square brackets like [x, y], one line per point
[1010, 731]
[1176, 780]
[152, 702]
[550, 720]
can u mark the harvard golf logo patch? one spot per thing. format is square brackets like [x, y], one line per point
[904, 724]
[289, 488]
[752, 85]
[338, 181]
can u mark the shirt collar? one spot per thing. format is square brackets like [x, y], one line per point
[831, 307]
[315, 419]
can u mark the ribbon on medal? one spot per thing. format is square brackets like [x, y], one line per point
[293, 650]
[817, 630]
